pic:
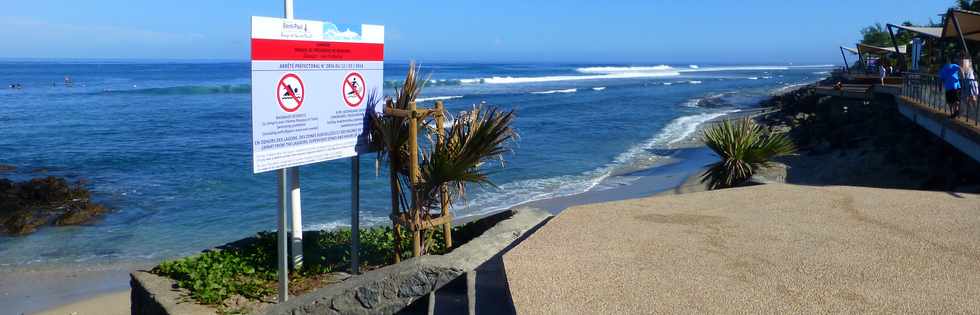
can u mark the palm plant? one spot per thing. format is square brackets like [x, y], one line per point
[744, 147]
[448, 161]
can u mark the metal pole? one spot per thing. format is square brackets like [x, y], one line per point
[296, 216]
[355, 214]
[283, 257]
[956, 23]
[846, 68]
[901, 57]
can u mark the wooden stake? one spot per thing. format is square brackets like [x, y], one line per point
[413, 177]
[447, 229]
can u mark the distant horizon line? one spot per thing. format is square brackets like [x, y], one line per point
[444, 61]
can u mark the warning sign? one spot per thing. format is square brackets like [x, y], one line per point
[290, 91]
[310, 85]
[353, 89]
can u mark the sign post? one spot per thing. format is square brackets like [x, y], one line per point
[310, 84]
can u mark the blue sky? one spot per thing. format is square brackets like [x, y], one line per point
[489, 31]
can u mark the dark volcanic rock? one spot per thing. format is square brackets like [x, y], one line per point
[25, 206]
[7, 168]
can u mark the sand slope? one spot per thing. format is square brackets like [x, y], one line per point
[762, 249]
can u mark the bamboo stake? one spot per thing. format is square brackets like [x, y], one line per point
[413, 177]
[395, 193]
[447, 229]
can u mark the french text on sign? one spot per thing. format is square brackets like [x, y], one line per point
[310, 83]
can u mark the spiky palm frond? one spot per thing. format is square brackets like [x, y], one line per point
[744, 147]
[390, 133]
[469, 142]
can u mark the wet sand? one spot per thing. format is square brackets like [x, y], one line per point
[27, 291]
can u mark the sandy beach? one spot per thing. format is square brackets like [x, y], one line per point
[88, 290]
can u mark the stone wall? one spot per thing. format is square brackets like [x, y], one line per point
[381, 291]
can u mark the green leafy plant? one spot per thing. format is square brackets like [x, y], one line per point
[744, 147]
[472, 139]
[249, 268]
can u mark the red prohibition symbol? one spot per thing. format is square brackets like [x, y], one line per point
[353, 90]
[290, 92]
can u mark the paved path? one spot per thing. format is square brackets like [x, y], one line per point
[762, 249]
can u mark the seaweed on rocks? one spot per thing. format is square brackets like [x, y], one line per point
[28, 205]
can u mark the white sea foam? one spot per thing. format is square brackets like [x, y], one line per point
[437, 98]
[608, 70]
[558, 78]
[667, 83]
[822, 72]
[628, 72]
[599, 88]
[556, 91]
[524, 191]
[787, 88]
[753, 78]
[694, 82]
[366, 220]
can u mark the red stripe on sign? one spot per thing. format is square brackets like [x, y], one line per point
[276, 49]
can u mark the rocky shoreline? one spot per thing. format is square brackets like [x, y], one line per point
[862, 143]
[28, 205]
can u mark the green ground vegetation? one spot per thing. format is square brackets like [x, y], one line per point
[248, 267]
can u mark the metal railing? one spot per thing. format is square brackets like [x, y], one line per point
[928, 90]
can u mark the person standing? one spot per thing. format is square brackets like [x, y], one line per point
[950, 74]
[972, 89]
[882, 72]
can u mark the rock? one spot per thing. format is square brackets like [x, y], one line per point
[80, 215]
[26, 206]
[7, 168]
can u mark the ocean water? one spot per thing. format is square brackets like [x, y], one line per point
[167, 145]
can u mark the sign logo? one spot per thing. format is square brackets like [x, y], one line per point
[353, 89]
[290, 92]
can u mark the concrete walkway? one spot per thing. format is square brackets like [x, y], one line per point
[762, 249]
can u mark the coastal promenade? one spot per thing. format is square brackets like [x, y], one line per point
[773, 248]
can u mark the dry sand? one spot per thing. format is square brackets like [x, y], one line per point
[107, 304]
[762, 249]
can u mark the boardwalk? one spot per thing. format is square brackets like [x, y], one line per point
[761, 249]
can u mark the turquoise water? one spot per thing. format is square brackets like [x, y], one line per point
[167, 145]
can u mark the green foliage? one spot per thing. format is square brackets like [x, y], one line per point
[876, 35]
[744, 147]
[213, 276]
[970, 5]
[249, 269]
[446, 165]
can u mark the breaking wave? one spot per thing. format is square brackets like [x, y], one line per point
[599, 88]
[556, 91]
[188, 90]
[437, 98]
[519, 192]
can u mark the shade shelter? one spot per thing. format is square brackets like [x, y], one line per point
[864, 51]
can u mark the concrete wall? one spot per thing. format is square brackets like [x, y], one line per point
[383, 291]
[961, 137]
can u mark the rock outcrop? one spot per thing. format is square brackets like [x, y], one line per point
[26, 206]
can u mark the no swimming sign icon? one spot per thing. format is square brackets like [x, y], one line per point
[310, 90]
